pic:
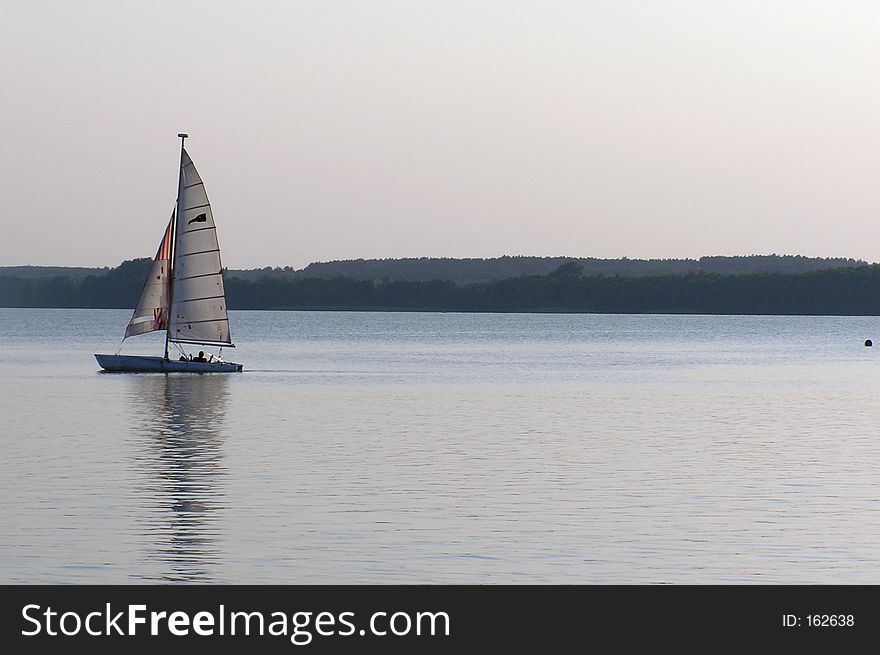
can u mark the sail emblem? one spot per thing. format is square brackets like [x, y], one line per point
[201, 218]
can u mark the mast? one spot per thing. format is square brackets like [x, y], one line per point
[182, 137]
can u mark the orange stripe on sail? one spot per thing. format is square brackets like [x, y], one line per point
[164, 251]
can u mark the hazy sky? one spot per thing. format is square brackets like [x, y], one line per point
[336, 130]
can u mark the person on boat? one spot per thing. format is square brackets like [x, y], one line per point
[201, 357]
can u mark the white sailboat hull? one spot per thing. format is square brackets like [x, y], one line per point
[143, 364]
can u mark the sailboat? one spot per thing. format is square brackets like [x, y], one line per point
[183, 294]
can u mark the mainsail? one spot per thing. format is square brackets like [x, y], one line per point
[152, 308]
[198, 309]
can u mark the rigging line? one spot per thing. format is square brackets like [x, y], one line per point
[192, 277]
[199, 229]
[179, 348]
[207, 320]
[202, 298]
[200, 252]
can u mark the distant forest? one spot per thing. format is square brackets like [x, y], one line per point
[466, 271]
[853, 290]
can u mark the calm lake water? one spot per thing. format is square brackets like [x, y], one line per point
[445, 448]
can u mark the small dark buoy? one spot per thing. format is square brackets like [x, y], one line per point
[868, 343]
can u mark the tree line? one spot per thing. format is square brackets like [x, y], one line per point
[468, 270]
[840, 291]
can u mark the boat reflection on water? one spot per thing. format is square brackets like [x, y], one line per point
[179, 452]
